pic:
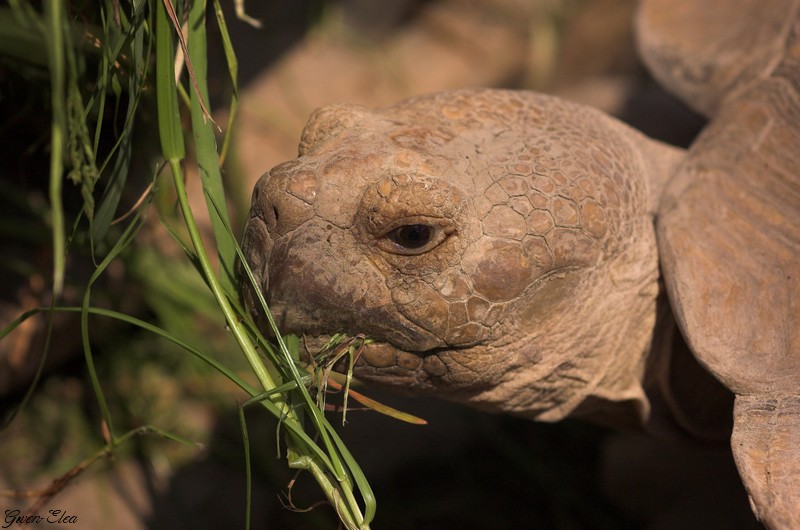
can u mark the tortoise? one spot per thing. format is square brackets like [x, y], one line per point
[525, 254]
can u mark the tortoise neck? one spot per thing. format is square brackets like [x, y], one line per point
[684, 398]
[660, 161]
[681, 399]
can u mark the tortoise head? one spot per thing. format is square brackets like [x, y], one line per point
[498, 247]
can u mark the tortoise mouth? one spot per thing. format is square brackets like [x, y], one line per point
[384, 363]
[382, 325]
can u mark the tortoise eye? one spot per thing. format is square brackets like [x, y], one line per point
[418, 236]
[412, 237]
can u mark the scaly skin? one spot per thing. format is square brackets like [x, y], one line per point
[538, 287]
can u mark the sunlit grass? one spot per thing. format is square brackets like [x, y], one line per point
[137, 48]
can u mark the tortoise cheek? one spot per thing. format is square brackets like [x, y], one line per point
[500, 269]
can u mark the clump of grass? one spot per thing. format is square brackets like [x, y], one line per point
[137, 48]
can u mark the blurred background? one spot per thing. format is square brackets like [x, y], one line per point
[464, 469]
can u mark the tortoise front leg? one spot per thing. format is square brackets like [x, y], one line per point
[766, 447]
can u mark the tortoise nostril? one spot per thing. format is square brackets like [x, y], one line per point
[269, 214]
[282, 203]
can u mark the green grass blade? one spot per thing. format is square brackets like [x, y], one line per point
[126, 238]
[206, 147]
[368, 496]
[208, 273]
[137, 59]
[48, 339]
[247, 468]
[233, 72]
[54, 19]
[147, 326]
[113, 192]
[170, 131]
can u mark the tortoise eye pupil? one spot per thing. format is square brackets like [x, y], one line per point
[412, 236]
